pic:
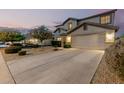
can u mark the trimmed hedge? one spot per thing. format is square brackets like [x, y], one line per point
[31, 46]
[56, 43]
[21, 53]
[17, 44]
[12, 49]
[67, 46]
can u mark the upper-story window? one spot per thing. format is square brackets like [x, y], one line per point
[105, 19]
[69, 26]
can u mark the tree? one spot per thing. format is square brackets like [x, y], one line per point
[122, 36]
[41, 33]
[11, 36]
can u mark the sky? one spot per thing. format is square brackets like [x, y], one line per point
[49, 17]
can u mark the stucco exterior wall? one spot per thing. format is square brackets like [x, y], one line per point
[90, 30]
[74, 24]
[95, 20]
[92, 38]
[65, 26]
[113, 17]
[57, 33]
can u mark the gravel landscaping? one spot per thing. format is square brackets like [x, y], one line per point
[111, 67]
[30, 52]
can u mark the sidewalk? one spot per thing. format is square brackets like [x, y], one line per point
[5, 76]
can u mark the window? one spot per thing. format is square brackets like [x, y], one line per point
[105, 19]
[110, 37]
[69, 26]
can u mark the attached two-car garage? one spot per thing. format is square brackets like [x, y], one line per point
[93, 36]
[93, 41]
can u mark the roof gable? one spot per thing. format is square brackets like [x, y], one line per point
[96, 25]
[100, 14]
[70, 18]
[59, 29]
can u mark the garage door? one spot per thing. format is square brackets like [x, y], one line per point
[95, 41]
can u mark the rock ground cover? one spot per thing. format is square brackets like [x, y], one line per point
[111, 67]
[30, 52]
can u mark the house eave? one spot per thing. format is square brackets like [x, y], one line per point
[100, 14]
[59, 29]
[70, 18]
[96, 25]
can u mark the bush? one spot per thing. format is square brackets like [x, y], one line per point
[55, 49]
[21, 53]
[56, 43]
[16, 44]
[67, 46]
[36, 46]
[12, 49]
[31, 46]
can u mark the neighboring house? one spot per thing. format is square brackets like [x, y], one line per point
[94, 32]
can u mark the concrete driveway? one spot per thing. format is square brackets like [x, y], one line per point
[68, 66]
[5, 75]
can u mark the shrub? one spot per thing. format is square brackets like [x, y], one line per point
[21, 53]
[31, 46]
[35, 46]
[55, 48]
[16, 44]
[12, 49]
[67, 46]
[56, 43]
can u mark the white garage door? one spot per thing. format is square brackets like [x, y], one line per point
[95, 41]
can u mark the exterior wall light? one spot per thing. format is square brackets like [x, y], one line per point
[68, 39]
[59, 39]
[110, 37]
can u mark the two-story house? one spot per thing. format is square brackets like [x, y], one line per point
[94, 32]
